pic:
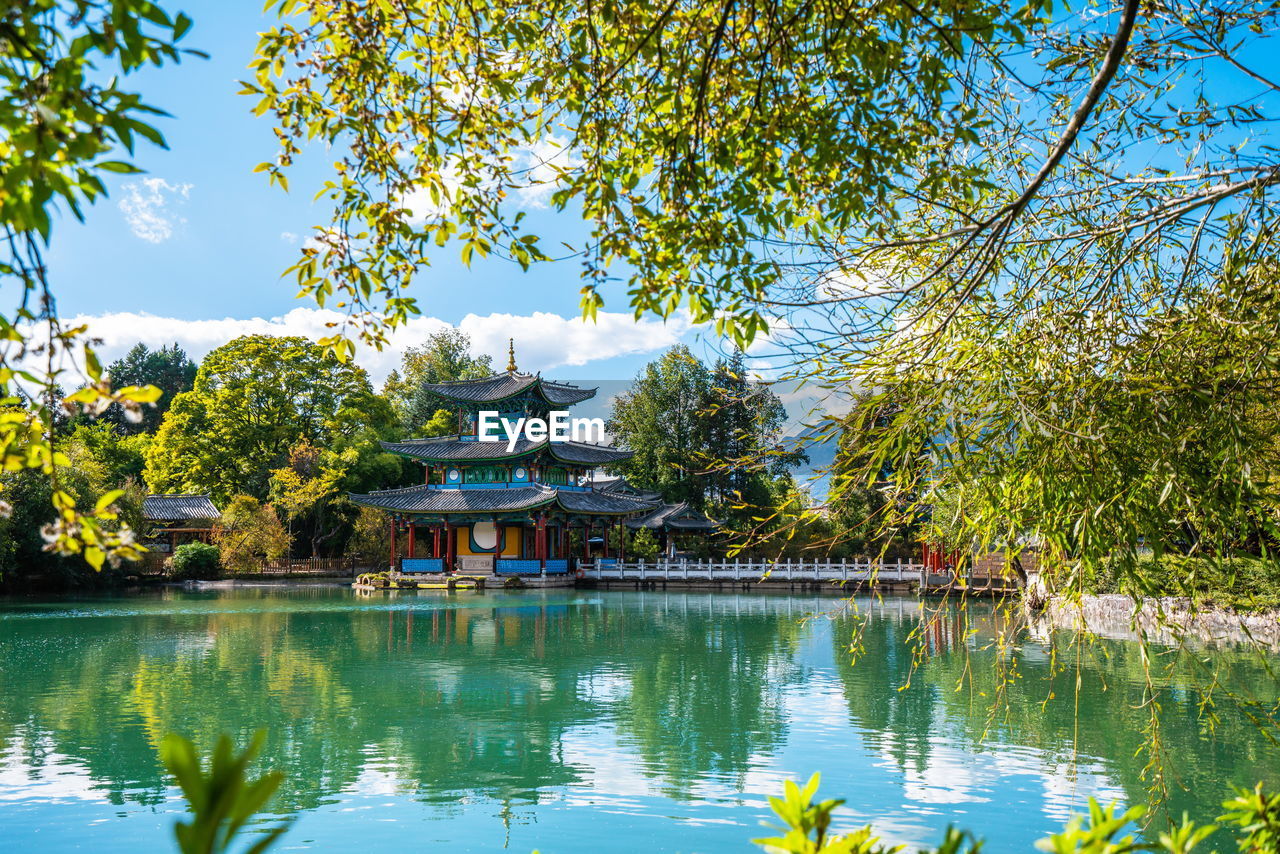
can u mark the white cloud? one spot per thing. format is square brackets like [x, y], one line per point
[148, 207]
[531, 174]
[543, 163]
[544, 341]
[288, 237]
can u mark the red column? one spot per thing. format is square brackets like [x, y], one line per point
[392, 564]
[586, 541]
[412, 535]
[435, 541]
[542, 541]
[451, 544]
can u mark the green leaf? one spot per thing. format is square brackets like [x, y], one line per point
[117, 166]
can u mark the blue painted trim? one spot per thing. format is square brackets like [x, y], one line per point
[509, 484]
[422, 564]
[520, 566]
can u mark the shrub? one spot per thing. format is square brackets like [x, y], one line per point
[195, 560]
[644, 545]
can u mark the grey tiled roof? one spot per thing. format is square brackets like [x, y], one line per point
[585, 454]
[600, 502]
[502, 386]
[680, 517]
[428, 500]
[451, 449]
[179, 508]
[619, 486]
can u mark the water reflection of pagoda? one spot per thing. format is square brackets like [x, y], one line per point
[486, 508]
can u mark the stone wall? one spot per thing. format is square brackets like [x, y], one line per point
[1164, 621]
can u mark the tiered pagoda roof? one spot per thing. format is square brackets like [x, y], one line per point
[505, 391]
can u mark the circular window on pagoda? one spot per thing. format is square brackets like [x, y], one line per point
[484, 535]
[454, 475]
[521, 473]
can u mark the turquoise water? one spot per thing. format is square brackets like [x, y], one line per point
[585, 721]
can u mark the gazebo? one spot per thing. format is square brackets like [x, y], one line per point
[498, 506]
[177, 519]
[667, 521]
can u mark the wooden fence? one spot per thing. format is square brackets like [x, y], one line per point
[339, 566]
[152, 564]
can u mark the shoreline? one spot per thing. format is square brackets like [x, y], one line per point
[1168, 620]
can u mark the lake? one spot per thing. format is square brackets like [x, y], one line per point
[581, 721]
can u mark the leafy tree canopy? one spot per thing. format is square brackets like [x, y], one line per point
[1046, 237]
[254, 400]
[69, 120]
[167, 369]
[446, 356]
[708, 436]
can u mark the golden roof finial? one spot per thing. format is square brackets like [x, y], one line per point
[511, 355]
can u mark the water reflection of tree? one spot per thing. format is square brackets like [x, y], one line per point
[472, 699]
[706, 693]
[970, 689]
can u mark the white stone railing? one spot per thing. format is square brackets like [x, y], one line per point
[783, 570]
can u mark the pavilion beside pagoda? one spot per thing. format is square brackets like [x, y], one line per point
[499, 507]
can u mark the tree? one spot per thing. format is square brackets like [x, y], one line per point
[254, 400]
[661, 420]
[442, 423]
[70, 120]
[96, 462]
[110, 458]
[643, 545]
[305, 488]
[251, 533]
[445, 357]
[745, 421]
[968, 208]
[167, 369]
[370, 541]
[709, 437]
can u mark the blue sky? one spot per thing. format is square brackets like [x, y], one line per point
[197, 244]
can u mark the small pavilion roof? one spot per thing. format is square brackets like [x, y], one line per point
[179, 508]
[455, 449]
[499, 387]
[424, 499]
[675, 517]
[620, 486]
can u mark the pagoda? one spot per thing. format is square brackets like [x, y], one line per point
[502, 507]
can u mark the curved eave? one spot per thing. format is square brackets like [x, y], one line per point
[573, 453]
[428, 501]
[554, 394]
[603, 455]
[429, 452]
